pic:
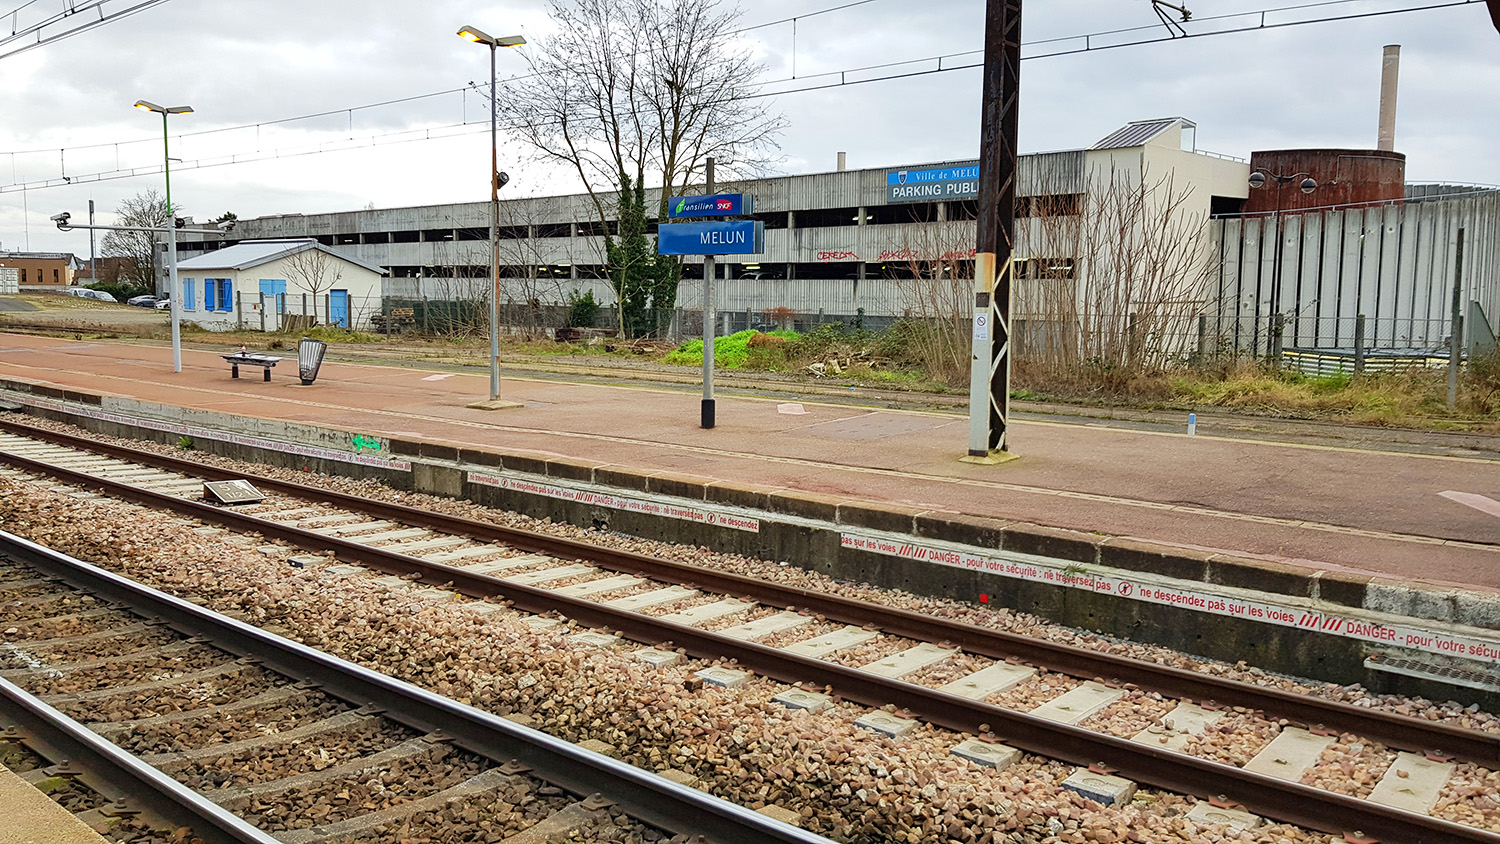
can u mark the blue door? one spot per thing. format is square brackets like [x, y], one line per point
[338, 308]
[273, 298]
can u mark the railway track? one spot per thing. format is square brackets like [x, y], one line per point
[1036, 696]
[174, 716]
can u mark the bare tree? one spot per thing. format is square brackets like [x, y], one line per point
[1118, 284]
[636, 93]
[314, 272]
[137, 249]
[934, 271]
[645, 89]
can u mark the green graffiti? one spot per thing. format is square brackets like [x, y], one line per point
[362, 442]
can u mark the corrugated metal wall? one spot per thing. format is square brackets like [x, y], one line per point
[1392, 263]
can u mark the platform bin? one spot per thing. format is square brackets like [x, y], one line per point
[310, 358]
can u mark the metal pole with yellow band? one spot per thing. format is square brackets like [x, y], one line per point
[989, 367]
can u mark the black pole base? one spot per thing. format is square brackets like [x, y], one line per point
[708, 413]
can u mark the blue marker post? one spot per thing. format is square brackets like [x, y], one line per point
[1192, 424]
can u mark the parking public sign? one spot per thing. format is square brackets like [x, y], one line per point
[723, 237]
[714, 205]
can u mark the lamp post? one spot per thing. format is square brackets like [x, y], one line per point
[1259, 179]
[497, 179]
[174, 291]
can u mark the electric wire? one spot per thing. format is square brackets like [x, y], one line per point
[1086, 37]
[92, 23]
[446, 130]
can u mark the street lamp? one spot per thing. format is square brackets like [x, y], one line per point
[1259, 179]
[174, 291]
[497, 179]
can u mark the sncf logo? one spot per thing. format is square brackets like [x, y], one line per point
[725, 205]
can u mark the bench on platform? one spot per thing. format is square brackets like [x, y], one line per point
[239, 359]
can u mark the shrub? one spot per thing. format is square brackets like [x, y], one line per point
[583, 311]
[1482, 382]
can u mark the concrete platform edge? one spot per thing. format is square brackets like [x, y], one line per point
[1327, 624]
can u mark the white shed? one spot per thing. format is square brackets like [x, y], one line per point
[262, 284]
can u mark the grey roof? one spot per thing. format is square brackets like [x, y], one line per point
[253, 253]
[1137, 133]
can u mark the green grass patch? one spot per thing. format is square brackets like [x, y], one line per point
[735, 351]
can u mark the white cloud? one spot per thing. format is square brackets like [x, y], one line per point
[244, 63]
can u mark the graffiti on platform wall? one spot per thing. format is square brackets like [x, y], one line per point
[362, 442]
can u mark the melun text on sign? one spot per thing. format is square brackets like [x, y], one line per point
[939, 183]
[727, 237]
[716, 205]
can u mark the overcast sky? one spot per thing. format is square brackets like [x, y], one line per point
[67, 105]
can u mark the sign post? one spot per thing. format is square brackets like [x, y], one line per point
[709, 318]
[722, 237]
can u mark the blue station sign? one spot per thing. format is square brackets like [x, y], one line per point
[715, 205]
[937, 183]
[723, 237]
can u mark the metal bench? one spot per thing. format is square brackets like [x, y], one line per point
[239, 359]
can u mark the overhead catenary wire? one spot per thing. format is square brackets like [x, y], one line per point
[84, 25]
[1259, 14]
[446, 130]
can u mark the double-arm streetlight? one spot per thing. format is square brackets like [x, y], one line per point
[1259, 179]
[174, 292]
[497, 180]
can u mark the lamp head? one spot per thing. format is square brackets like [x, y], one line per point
[502, 179]
[1257, 180]
[475, 34]
[1308, 185]
[147, 105]
[479, 36]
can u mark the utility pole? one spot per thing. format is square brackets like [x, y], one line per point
[989, 366]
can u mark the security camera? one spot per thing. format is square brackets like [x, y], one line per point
[61, 219]
[227, 225]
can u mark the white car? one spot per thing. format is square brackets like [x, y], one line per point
[86, 293]
[163, 305]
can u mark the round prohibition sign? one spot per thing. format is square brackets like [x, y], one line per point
[1126, 589]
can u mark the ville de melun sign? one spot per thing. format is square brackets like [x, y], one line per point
[721, 237]
[937, 184]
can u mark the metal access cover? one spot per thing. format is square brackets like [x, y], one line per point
[233, 492]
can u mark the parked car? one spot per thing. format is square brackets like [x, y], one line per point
[86, 293]
[147, 301]
[163, 305]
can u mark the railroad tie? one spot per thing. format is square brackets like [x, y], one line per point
[1290, 754]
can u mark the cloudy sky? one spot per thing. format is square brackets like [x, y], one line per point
[247, 67]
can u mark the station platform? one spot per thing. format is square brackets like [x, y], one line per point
[31, 817]
[1429, 518]
[1376, 565]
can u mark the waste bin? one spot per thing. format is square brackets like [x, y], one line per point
[310, 358]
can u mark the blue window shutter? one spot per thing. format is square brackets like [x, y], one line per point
[188, 302]
[226, 294]
[209, 301]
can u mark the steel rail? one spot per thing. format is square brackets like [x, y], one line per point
[1282, 800]
[1398, 731]
[644, 796]
[58, 738]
